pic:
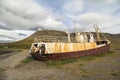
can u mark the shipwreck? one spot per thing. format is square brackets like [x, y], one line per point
[59, 47]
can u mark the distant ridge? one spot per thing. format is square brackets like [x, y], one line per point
[48, 33]
[26, 43]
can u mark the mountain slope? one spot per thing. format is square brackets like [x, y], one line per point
[26, 43]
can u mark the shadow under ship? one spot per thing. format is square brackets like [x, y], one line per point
[59, 47]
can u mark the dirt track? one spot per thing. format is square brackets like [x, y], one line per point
[101, 68]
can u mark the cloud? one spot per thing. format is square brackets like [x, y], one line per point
[31, 14]
[52, 24]
[103, 1]
[117, 11]
[73, 6]
[9, 34]
[21, 14]
[27, 14]
[25, 32]
[112, 25]
[14, 35]
[89, 18]
[104, 22]
[2, 24]
[28, 9]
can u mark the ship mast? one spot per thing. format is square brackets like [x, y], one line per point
[97, 32]
[74, 26]
[68, 36]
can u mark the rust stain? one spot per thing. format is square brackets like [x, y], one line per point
[68, 47]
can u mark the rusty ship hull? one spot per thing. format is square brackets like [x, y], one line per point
[72, 54]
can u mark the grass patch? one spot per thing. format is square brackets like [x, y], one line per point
[60, 62]
[114, 74]
[110, 52]
[87, 58]
[28, 59]
[81, 65]
[15, 79]
[1, 70]
[83, 58]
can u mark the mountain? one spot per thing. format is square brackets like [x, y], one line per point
[26, 43]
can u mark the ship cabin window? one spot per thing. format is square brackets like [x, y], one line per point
[42, 48]
[101, 42]
[33, 49]
[38, 48]
[35, 45]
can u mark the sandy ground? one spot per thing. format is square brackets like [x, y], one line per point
[101, 68]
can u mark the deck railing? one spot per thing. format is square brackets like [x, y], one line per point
[52, 39]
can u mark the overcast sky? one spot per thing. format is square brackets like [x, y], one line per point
[58, 15]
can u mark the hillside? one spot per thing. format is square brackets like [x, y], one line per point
[26, 43]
